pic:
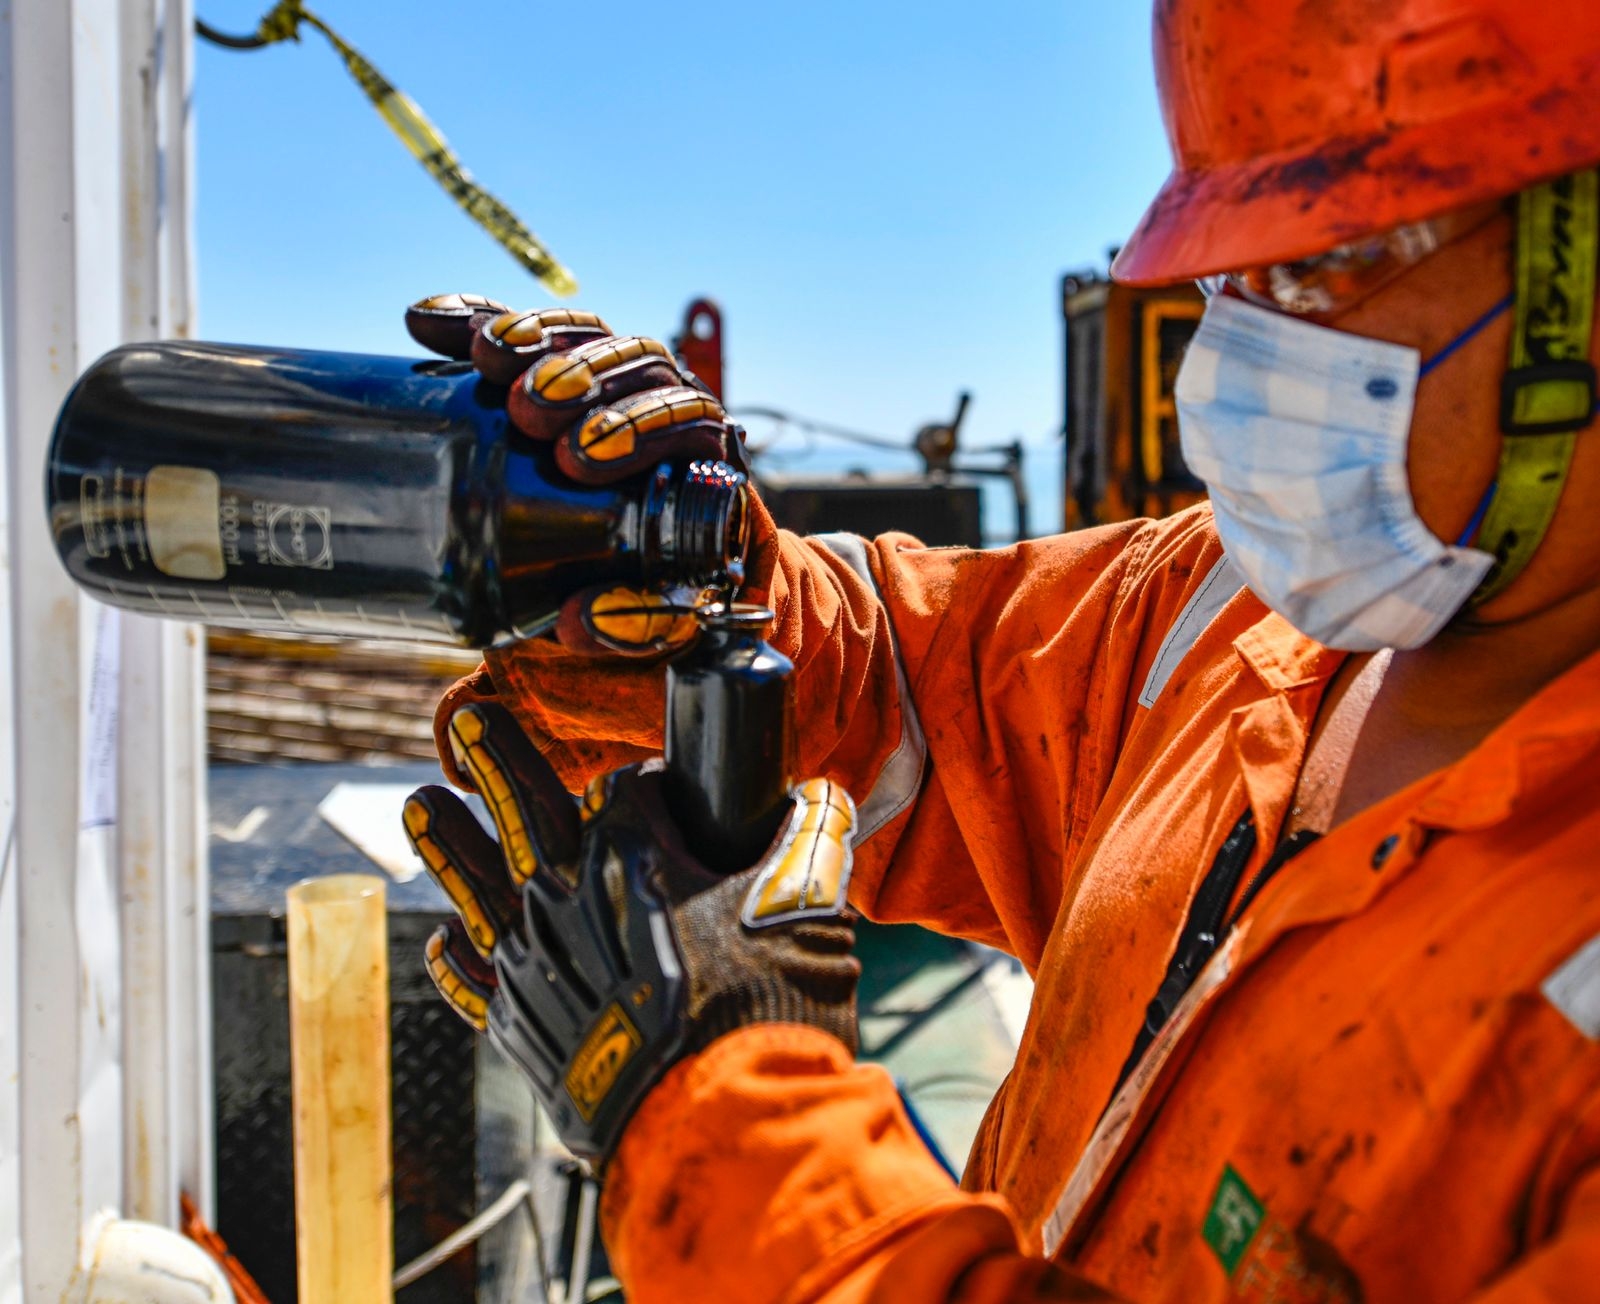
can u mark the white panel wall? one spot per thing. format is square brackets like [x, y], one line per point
[167, 1143]
[104, 1006]
[45, 55]
[10, 1012]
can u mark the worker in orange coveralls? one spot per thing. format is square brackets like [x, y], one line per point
[1289, 803]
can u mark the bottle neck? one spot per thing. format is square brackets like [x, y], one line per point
[693, 525]
[551, 538]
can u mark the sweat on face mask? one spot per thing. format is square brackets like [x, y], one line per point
[1299, 433]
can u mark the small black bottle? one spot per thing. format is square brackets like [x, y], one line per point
[728, 738]
[336, 493]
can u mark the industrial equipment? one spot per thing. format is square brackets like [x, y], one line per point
[942, 506]
[1123, 347]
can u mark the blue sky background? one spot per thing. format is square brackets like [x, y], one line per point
[882, 195]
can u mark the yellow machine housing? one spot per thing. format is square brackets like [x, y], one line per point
[1123, 347]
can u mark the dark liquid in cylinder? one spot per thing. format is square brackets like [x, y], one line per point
[335, 493]
[728, 738]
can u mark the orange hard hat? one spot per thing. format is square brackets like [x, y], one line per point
[1298, 127]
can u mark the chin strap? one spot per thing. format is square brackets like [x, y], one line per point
[1548, 393]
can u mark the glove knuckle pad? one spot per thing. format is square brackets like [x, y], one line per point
[446, 323]
[807, 875]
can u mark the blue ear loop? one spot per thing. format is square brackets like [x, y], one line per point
[1437, 360]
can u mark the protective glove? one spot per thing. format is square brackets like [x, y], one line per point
[612, 407]
[593, 947]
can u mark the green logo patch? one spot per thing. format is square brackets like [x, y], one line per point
[1233, 1220]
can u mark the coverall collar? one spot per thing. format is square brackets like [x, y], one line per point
[1269, 737]
[1283, 658]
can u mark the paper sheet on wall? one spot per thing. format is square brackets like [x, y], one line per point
[97, 912]
[98, 806]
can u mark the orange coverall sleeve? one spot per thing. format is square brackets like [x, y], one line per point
[1024, 666]
[770, 1167]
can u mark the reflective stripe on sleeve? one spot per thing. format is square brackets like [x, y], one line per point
[1201, 609]
[1574, 989]
[900, 779]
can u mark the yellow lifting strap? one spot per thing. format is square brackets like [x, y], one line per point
[421, 137]
[1548, 394]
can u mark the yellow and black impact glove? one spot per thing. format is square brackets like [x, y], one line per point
[596, 951]
[611, 407]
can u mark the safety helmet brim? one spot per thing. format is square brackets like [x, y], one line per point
[1279, 209]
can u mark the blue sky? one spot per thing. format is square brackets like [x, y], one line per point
[882, 195]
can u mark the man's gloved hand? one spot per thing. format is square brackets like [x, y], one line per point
[593, 947]
[611, 407]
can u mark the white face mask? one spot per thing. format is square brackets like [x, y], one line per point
[1300, 434]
